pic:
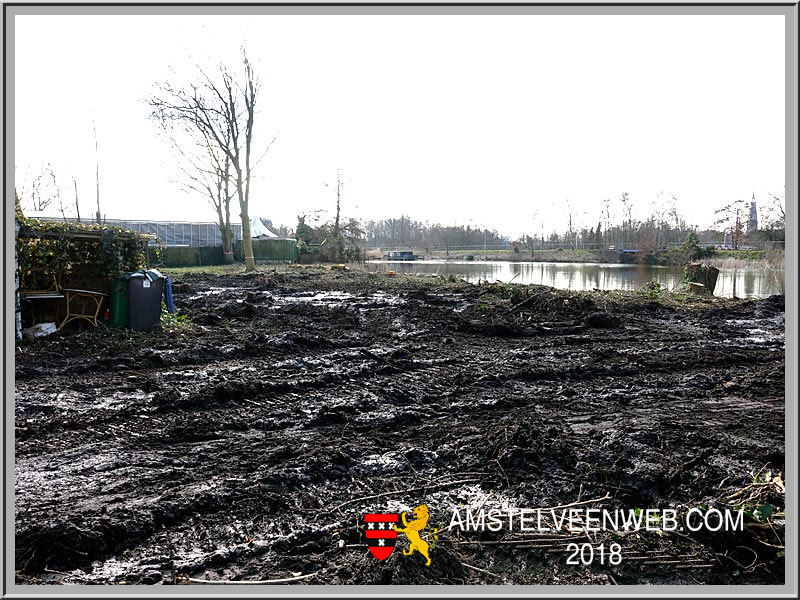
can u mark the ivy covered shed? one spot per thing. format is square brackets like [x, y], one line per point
[65, 270]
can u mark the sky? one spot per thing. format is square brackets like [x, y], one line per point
[506, 122]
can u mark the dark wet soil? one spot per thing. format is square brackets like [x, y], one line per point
[249, 443]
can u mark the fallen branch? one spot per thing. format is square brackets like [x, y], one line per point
[479, 570]
[259, 582]
[519, 305]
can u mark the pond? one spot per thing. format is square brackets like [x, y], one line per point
[750, 282]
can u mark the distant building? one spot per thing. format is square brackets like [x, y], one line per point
[752, 221]
[171, 233]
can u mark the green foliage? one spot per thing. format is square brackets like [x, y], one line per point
[653, 289]
[688, 251]
[502, 290]
[765, 511]
[741, 254]
[172, 321]
[48, 249]
[156, 254]
[325, 243]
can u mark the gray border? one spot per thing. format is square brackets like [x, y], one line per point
[789, 589]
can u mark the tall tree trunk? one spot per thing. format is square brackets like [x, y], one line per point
[225, 231]
[247, 240]
[77, 207]
[247, 244]
[227, 246]
[227, 243]
[336, 239]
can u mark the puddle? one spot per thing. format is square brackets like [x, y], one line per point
[361, 301]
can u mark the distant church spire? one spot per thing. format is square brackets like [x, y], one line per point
[752, 222]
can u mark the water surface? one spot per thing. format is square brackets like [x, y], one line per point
[732, 282]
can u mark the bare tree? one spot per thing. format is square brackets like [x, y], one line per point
[605, 218]
[336, 233]
[57, 194]
[530, 241]
[43, 192]
[206, 170]
[627, 217]
[734, 218]
[573, 238]
[777, 205]
[30, 194]
[775, 212]
[77, 206]
[222, 110]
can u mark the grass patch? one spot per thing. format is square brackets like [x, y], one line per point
[740, 254]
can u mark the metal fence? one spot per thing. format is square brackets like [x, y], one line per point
[174, 233]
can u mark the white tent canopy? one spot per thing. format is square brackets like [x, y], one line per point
[260, 231]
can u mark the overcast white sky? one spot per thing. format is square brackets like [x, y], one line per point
[470, 119]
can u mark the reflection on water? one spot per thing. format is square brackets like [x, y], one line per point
[742, 283]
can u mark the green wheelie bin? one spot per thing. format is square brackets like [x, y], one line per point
[118, 301]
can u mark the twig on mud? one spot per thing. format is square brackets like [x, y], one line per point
[768, 544]
[748, 569]
[519, 305]
[485, 500]
[394, 492]
[761, 470]
[508, 484]
[775, 532]
[479, 570]
[260, 582]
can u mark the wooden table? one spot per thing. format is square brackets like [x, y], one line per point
[82, 304]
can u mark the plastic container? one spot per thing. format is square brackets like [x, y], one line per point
[118, 301]
[144, 300]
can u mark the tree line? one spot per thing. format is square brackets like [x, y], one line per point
[407, 232]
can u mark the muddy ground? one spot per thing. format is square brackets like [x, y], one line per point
[248, 442]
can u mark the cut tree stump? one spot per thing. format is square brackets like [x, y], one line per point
[701, 278]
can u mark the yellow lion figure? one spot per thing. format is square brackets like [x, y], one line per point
[412, 529]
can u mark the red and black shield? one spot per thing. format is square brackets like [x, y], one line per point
[381, 536]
